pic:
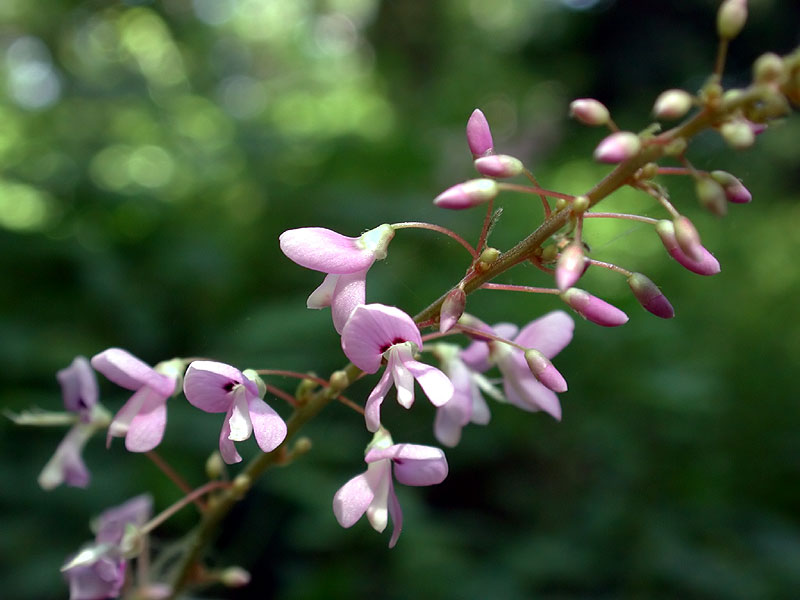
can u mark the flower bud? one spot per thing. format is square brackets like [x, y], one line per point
[452, 309]
[234, 577]
[707, 265]
[544, 371]
[589, 111]
[688, 238]
[215, 466]
[650, 297]
[468, 194]
[711, 195]
[570, 266]
[617, 147]
[738, 134]
[499, 165]
[734, 189]
[769, 68]
[479, 136]
[672, 104]
[593, 308]
[731, 18]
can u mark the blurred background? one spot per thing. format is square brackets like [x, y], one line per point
[152, 152]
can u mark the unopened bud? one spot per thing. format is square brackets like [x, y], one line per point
[672, 104]
[580, 205]
[215, 466]
[707, 265]
[734, 189]
[676, 147]
[452, 309]
[688, 238]
[618, 147]
[731, 18]
[711, 195]
[738, 134]
[234, 577]
[302, 446]
[544, 371]
[769, 68]
[479, 135]
[489, 255]
[650, 297]
[499, 165]
[589, 111]
[570, 266]
[468, 194]
[339, 380]
[593, 308]
[241, 484]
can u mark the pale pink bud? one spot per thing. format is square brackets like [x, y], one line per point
[479, 136]
[570, 266]
[672, 104]
[711, 195]
[589, 111]
[688, 238]
[617, 147]
[731, 18]
[499, 165]
[452, 309]
[734, 189]
[468, 194]
[593, 308]
[544, 371]
[707, 265]
[650, 297]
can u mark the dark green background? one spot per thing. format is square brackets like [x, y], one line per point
[140, 207]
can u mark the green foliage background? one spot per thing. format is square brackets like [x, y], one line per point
[151, 153]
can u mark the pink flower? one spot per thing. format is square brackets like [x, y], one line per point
[549, 335]
[216, 387]
[143, 418]
[593, 308]
[98, 570]
[346, 261]
[707, 265]
[79, 391]
[375, 332]
[372, 492]
[479, 135]
[467, 404]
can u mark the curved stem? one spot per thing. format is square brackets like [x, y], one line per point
[439, 229]
[629, 217]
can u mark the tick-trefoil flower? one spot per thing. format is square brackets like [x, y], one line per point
[375, 332]
[346, 261]
[143, 418]
[467, 404]
[593, 308]
[735, 191]
[372, 492]
[216, 387]
[97, 571]
[548, 335]
[79, 391]
[707, 265]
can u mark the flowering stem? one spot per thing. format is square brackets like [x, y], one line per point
[527, 189]
[276, 391]
[719, 63]
[610, 267]
[545, 203]
[432, 227]
[297, 375]
[173, 476]
[519, 288]
[485, 229]
[629, 217]
[673, 171]
[192, 496]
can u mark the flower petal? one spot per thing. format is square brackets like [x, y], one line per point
[208, 385]
[414, 464]
[227, 448]
[268, 427]
[78, 387]
[549, 334]
[111, 523]
[122, 420]
[436, 385]
[127, 371]
[350, 502]
[350, 292]
[325, 250]
[372, 329]
[403, 379]
[396, 513]
[524, 391]
[379, 476]
[372, 408]
[239, 422]
[66, 465]
[147, 428]
[322, 296]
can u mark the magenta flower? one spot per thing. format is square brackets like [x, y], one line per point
[346, 261]
[372, 492]
[79, 391]
[479, 135]
[375, 332]
[143, 418]
[549, 335]
[593, 308]
[467, 404]
[216, 387]
[98, 570]
[707, 265]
